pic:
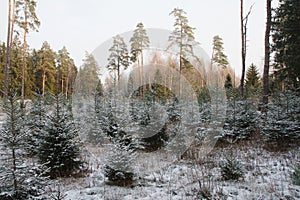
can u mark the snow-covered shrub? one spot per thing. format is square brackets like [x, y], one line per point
[296, 175]
[281, 123]
[204, 103]
[56, 192]
[240, 120]
[204, 193]
[231, 168]
[90, 115]
[163, 134]
[118, 168]
[152, 122]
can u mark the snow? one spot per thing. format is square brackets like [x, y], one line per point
[267, 176]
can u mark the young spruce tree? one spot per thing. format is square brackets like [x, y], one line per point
[18, 179]
[36, 124]
[97, 131]
[59, 148]
[252, 81]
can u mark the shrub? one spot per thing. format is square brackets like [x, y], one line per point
[118, 168]
[231, 169]
[281, 124]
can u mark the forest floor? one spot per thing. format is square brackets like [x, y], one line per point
[267, 175]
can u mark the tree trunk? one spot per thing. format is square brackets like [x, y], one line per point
[67, 82]
[118, 70]
[244, 21]
[7, 56]
[267, 55]
[24, 55]
[180, 59]
[142, 66]
[243, 52]
[14, 157]
[12, 21]
[43, 82]
[211, 66]
[62, 84]
[140, 74]
[14, 170]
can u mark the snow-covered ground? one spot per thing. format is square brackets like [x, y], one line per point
[267, 176]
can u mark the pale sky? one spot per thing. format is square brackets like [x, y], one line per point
[84, 25]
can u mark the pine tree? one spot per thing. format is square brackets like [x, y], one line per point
[15, 71]
[118, 57]
[26, 19]
[182, 38]
[46, 69]
[15, 65]
[218, 55]
[30, 79]
[66, 68]
[252, 80]
[59, 149]
[88, 76]
[10, 31]
[139, 41]
[19, 180]
[286, 42]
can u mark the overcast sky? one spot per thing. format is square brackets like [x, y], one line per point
[84, 25]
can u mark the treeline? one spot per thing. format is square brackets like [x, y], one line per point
[46, 71]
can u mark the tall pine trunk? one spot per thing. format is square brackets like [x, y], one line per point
[267, 55]
[67, 83]
[62, 84]
[8, 46]
[43, 82]
[24, 54]
[211, 66]
[180, 59]
[142, 78]
[243, 52]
